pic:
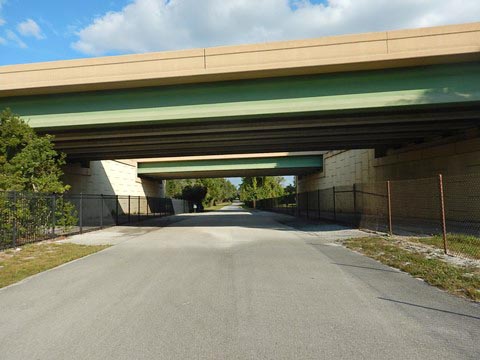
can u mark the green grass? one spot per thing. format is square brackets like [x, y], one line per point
[463, 281]
[31, 259]
[460, 244]
[217, 207]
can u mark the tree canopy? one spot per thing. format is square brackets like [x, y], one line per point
[215, 190]
[28, 162]
[290, 189]
[261, 187]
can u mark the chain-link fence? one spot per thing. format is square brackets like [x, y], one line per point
[30, 217]
[446, 208]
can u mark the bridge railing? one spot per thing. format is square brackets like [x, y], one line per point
[445, 207]
[30, 217]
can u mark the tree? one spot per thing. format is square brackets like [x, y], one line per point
[256, 188]
[195, 194]
[174, 188]
[28, 162]
[290, 189]
[217, 189]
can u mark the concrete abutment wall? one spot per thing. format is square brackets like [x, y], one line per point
[111, 177]
[347, 167]
[414, 175]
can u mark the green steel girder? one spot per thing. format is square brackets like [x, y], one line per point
[261, 98]
[212, 167]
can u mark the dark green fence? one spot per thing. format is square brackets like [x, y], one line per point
[30, 217]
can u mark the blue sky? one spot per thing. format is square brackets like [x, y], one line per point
[58, 21]
[34, 30]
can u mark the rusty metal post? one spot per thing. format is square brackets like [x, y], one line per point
[442, 212]
[389, 207]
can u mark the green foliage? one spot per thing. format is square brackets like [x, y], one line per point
[256, 188]
[195, 194]
[66, 213]
[218, 190]
[290, 189]
[30, 171]
[206, 192]
[174, 188]
[28, 162]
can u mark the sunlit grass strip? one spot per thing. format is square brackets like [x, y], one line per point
[460, 244]
[463, 281]
[31, 259]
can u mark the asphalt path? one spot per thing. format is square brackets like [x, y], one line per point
[231, 284]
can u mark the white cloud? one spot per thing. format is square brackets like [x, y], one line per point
[14, 37]
[153, 25]
[30, 28]
[3, 41]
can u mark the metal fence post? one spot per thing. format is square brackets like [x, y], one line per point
[81, 213]
[138, 209]
[318, 203]
[129, 209]
[389, 208]
[442, 212]
[306, 195]
[54, 210]
[334, 205]
[101, 211]
[14, 229]
[146, 199]
[116, 210]
[355, 204]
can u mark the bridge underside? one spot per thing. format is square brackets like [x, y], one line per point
[291, 164]
[369, 109]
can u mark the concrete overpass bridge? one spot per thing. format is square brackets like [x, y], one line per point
[267, 164]
[375, 90]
